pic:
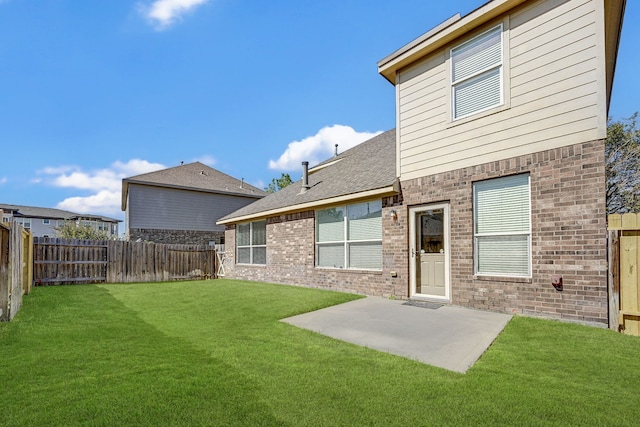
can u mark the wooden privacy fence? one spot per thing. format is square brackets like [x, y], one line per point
[624, 281]
[16, 268]
[69, 261]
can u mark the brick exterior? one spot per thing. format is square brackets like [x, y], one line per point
[568, 221]
[291, 259]
[568, 239]
[183, 237]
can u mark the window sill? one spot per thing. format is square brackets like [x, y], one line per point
[251, 265]
[349, 270]
[510, 279]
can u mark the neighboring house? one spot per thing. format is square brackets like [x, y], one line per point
[182, 204]
[489, 194]
[43, 221]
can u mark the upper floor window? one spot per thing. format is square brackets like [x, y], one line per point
[350, 236]
[25, 222]
[251, 243]
[476, 74]
[45, 221]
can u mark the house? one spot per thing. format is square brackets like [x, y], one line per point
[495, 196]
[43, 221]
[182, 204]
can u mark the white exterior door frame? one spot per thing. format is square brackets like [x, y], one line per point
[414, 251]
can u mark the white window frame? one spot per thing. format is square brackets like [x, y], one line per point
[45, 221]
[478, 74]
[345, 242]
[477, 235]
[251, 246]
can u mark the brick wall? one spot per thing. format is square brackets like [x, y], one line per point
[568, 239]
[291, 259]
[568, 220]
[183, 237]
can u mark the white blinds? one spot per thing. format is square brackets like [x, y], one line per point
[251, 243]
[244, 256]
[350, 236]
[243, 234]
[503, 255]
[502, 224]
[502, 205]
[330, 225]
[331, 255]
[477, 94]
[259, 233]
[365, 255]
[365, 221]
[259, 255]
[477, 55]
[476, 68]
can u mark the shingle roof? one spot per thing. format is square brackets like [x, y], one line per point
[193, 176]
[368, 166]
[50, 213]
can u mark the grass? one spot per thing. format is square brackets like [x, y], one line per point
[214, 353]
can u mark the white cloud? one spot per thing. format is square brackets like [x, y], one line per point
[104, 202]
[320, 146]
[3, 180]
[164, 13]
[206, 159]
[105, 184]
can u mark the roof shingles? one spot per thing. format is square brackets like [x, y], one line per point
[193, 176]
[365, 167]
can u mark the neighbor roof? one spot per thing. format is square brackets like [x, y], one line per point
[367, 170]
[193, 176]
[50, 213]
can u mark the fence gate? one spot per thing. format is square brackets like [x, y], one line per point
[624, 260]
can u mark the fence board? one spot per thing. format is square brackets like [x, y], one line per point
[4, 272]
[61, 261]
[627, 230]
[15, 268]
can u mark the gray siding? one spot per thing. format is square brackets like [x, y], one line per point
[172, 209]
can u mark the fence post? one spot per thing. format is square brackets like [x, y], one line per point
[613, 280]
[4, 272]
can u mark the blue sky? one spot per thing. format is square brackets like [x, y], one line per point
[95, 91]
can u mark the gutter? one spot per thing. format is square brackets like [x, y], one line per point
[385, 191]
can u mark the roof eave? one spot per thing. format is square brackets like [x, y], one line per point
[614, 17]
[441, 35]
[379, 192]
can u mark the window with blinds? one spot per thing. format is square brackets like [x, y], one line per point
[350, 236]
[502, 226]
[251, 243]
[476, 74]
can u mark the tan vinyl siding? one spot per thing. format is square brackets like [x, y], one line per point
[552, 86]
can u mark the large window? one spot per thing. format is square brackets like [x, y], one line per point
[476, 74]
[502, 226]
[350, 236]
[251, 243]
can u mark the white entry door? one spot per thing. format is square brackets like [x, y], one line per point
[429, 252]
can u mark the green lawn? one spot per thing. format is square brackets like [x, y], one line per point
[214, 353]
